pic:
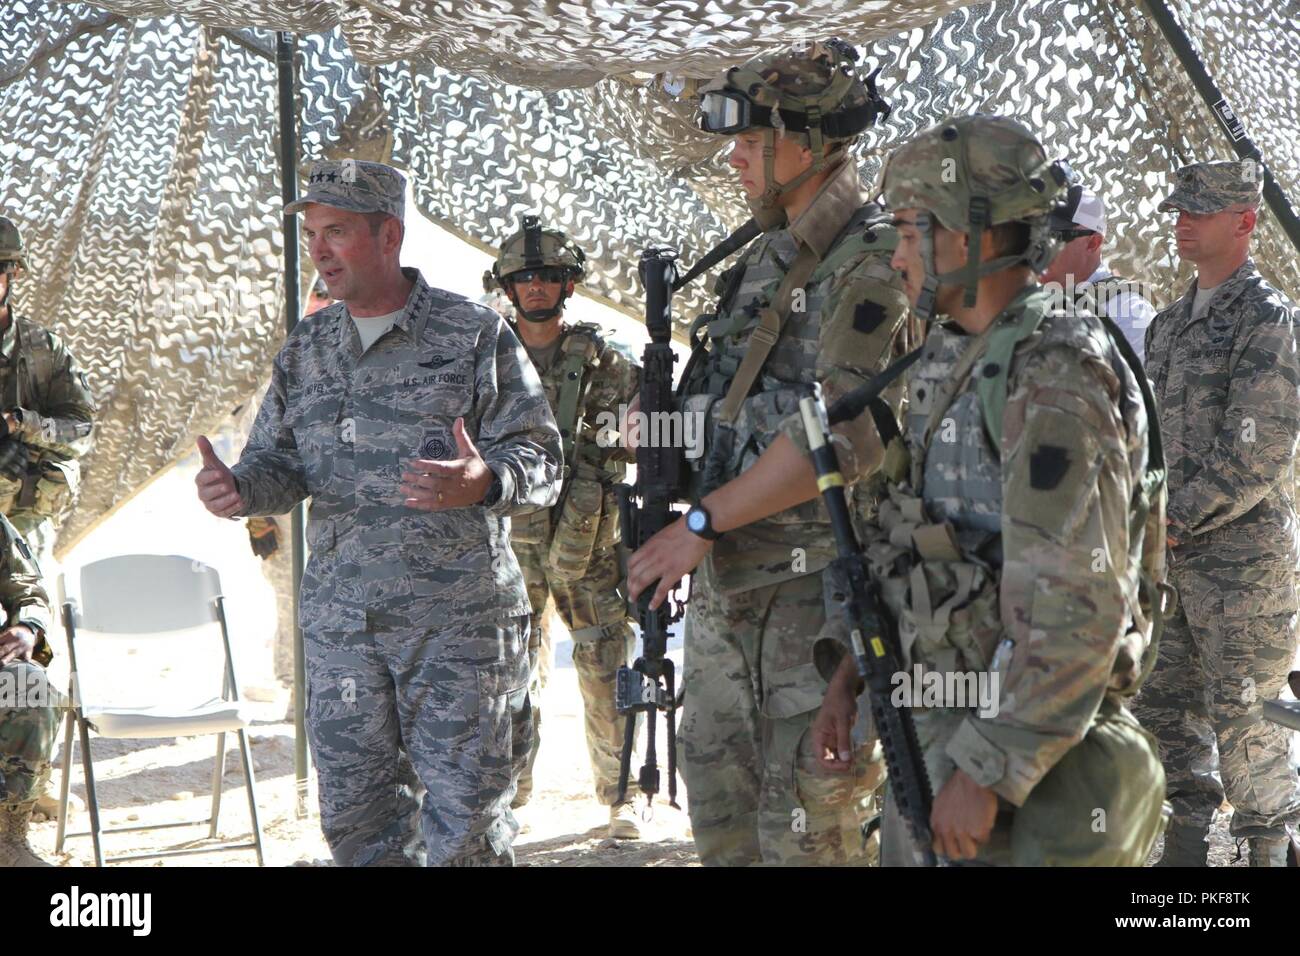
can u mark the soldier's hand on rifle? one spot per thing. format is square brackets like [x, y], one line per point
[962, 818]
[216, 483]
[431, 485]
[832, 728]
[669, 556]
[16, 643]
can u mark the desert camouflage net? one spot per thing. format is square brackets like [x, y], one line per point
[140, 141]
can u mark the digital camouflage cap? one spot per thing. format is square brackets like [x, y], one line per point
[971, 173]
[12, 253]
[354, 185]
[1213, 187]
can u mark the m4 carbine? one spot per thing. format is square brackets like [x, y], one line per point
[874, 643]
[645, 509]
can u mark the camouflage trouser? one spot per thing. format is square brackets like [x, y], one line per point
[757, 793]
[1226, 651]
[30, 711]
[454, 700]
[38, 532]
[595, 613]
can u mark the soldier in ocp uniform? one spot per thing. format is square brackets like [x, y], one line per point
[813, 300]
[49, 414]
[414, 421]
[30, 707]
[1225, 369]
[1008, 548]
[569, 552]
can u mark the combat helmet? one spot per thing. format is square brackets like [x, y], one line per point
[12, 254]
[971, 173]
[811, 91]
[533, 247]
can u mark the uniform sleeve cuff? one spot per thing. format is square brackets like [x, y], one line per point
[506, 502]
[983, 761]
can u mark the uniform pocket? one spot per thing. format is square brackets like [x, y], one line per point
[576, 530]
[503, 703]
[56, 486]
[315, 427]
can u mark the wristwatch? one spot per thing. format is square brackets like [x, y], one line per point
[700, 522]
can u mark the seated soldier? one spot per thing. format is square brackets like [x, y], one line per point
[30, 707]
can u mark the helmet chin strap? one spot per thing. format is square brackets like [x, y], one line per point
[967, 275]
[539, 315]
[773, 190]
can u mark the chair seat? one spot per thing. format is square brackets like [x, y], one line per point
[170, 720]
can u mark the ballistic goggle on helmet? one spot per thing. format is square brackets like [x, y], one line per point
[533, 251]
[971, 173]
[811, 91]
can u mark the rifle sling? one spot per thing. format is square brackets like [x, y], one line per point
[764, 336]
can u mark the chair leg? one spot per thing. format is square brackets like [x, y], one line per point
[67, 779]
[92, 801]
[247, 756]
[218, 773]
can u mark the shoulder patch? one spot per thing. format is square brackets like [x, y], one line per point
[867, 316]
[1048, 464]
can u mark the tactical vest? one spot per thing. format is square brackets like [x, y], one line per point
[735, 354]
[940, 568]
[50, 483]
[575, 526]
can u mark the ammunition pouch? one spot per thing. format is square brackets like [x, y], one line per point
[576, 529]
[531, 528]
[946, 604]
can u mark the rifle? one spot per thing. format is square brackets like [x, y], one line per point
[645, 509]
[875, 644]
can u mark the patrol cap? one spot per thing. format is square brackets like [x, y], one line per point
[1213, 187]
[355, 185]
[1083, 209]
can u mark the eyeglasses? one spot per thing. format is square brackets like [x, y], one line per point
[545, 275]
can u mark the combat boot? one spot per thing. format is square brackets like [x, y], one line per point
[1269, 851]
[1185, 846]
[14, 848]
[623, 824]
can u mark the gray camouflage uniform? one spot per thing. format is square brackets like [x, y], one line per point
[1227, 383]
[415, 624]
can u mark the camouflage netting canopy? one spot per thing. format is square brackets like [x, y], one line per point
[140, 140]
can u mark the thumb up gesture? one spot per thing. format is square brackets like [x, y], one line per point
[215, 483]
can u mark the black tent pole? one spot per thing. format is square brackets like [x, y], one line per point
[1224, 114]
[285, 47]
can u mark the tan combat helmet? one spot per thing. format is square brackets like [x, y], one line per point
[13, 257]
[12, 254]
[534, 249]
[811, 91]
[970, 173]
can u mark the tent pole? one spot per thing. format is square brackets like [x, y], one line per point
[1227, 118]
[285, 47]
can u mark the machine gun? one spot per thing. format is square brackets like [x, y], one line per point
[649, 685]
[875, 645]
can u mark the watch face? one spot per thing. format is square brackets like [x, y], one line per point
[696, 521]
